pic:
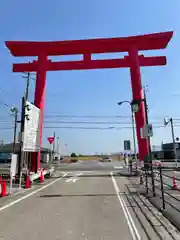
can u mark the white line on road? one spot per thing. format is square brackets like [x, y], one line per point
[79, 174]
[129, 219]
[68, 180]
[73, 179]
[30, 194]
[118, 167]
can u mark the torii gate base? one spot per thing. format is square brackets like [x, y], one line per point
[88, 47]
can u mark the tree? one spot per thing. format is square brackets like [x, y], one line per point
[73, 154]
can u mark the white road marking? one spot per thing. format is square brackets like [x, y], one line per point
[30, 194]
[68, 180]
[79, 174]
[75, 179]
[129, 219]
[118, 167]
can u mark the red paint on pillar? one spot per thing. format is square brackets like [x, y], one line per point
[39, 102]
[137, 92]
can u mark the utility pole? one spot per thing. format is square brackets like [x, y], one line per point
[27, 77]
[173, 138]
[174, 143]
[21, 154]
[149, 143]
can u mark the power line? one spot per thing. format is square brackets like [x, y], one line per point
[72, 127]
[98, 128]
[90, 122]
[85, 116]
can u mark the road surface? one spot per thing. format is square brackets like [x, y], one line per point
[90, 166]
[81, 205]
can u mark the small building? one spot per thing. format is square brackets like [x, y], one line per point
[7, 149]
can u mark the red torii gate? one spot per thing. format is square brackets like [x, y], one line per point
[87, 47]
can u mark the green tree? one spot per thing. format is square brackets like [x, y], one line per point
[73, 154]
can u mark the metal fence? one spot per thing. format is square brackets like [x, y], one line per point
[161, 185]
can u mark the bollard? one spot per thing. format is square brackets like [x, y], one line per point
[41, 176]
[3, 189]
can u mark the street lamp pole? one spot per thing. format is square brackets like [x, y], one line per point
[134, 136]
[133, 128]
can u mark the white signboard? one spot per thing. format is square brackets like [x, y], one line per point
[147, 131]
[13, 165]
[31, 138]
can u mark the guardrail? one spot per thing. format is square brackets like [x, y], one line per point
[161, 190]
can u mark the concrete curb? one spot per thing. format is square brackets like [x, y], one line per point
[171, 216]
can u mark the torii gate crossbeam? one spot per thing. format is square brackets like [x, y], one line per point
[86, 48]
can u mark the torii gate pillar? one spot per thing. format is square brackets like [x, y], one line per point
[39, 99]
[137, 92]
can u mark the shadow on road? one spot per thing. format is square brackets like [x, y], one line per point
[84, 176]
[79, 195]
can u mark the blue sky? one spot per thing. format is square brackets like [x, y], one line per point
[92, 92]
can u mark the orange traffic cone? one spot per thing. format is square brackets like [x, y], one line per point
[41, 176]
[28, 181]
[3, 189]
[174, 186]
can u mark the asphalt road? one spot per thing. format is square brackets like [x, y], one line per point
[82, 205]
[90, 166]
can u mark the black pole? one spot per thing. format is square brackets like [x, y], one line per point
[149, 145]
[15, 130]
[20, 162]
[146, 177]
[27, 86]
[162, 188]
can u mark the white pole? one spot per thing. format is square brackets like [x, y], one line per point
[11, 183]
[20, 179]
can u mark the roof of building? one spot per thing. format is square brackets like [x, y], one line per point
[8, 148]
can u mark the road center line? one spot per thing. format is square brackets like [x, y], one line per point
[129, 219]
[30, 194]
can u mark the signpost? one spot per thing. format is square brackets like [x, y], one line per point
[147, 131]
[127, 145]
[31, 138]
[50, 140]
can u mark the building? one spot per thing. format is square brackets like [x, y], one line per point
[7, 149]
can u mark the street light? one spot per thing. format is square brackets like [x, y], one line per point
[133, 109]
[15, 111]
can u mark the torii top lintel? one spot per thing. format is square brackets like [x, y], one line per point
[104, 45]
